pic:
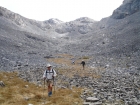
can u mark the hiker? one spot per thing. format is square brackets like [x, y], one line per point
[73, 62]
[49, 75]
[83, 64]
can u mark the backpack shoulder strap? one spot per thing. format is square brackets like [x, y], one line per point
[50, 72]
[53, 71]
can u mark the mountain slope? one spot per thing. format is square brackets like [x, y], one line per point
[27, 43]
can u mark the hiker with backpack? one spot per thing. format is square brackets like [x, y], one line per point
[49, 75]
[83, 64]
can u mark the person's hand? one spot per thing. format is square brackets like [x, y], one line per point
[44, 78]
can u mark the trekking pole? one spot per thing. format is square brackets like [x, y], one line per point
[54, 84]
[44, 92]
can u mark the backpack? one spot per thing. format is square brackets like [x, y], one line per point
[50, 72]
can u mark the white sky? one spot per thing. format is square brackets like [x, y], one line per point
[64, 10]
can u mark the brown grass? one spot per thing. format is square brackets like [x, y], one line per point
[70, 69]
[19, 92]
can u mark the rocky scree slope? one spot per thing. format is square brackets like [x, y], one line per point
[29, 42]
[113, 38]
[22, 42]
[128, 8]
[26, 43]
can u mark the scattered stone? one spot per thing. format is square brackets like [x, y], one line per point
[86, 103]
[92, 99]
[97, 103]
[26, 98]
[2, 84]
[26, 86]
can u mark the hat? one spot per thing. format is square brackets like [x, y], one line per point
[48, 65]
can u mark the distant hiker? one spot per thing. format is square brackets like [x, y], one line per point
[49, 75]
[73, 62]
[83, 64]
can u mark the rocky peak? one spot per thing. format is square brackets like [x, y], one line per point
[85, 20]
[128, 7]
[4, 11]
[16, 18]
[53, 21]
[127, 1]
[9, 14]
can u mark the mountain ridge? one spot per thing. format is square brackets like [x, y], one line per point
[128, 7]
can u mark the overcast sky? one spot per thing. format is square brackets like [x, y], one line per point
[64, 10]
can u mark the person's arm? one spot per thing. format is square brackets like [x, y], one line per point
[54, 73]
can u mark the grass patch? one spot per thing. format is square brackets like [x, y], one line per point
[19, 92]
[68, 69]
[85, 57]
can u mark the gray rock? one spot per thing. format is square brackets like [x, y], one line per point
[86, 103]
[2, 84]
[92, 99]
